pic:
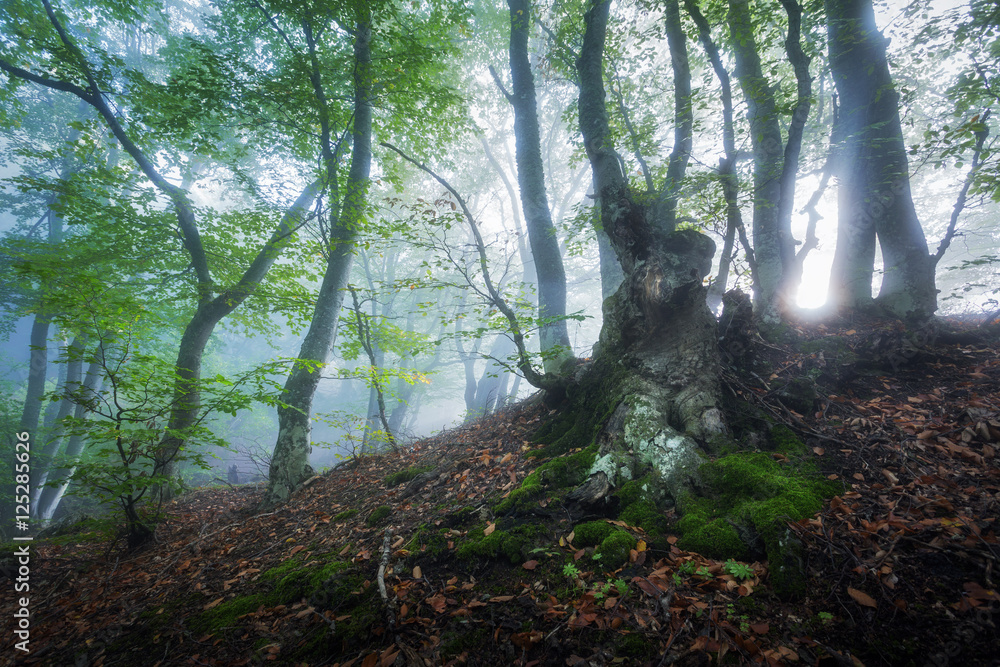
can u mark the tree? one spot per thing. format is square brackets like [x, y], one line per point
[874, 200]
[78, 75]
[658, 338]
[554, 337]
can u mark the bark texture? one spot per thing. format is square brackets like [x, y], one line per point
[658, 339]
[874, 198]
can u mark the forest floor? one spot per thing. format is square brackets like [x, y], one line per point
[899, 566]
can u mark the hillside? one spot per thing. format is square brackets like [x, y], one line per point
[411, 559]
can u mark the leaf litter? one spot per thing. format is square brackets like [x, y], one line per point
[901, 565]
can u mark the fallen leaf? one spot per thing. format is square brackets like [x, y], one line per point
[489, 529]
[418, 573]
[819, 451]
[760, 628]
[862, 598]
[297, 549]
[641, 546]
[530, 565]
[213, 604]
[438, 602]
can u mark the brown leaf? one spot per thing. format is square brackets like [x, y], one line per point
[389, 656]
[297, 549]
[760, 628]
[437, 602]
[213, 604]
[862, 598]
[819, 451]
[502, 598]
[530, 565]
[489, 529]
[418, 573]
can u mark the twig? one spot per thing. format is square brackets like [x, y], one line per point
[390, 613]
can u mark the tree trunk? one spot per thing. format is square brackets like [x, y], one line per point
[70, 385]
[874, 196]
[554, 336]
[773, 247]
[60, 478]
[658, 343]
[792, 269]
[31, 412]
[290, 460]
[727, 165]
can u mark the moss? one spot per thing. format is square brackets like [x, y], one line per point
[454, 643]
[512, 544]
[645, 515]
[634, 490]
[427, 542]
[346, 514]
[636, 646]
[715, 538]
[226, 614]
[751, 498]
[785, 441]
[592, 533]
[615, 549]
[562, 472]
[591, 403]
[379, 513]
[405, 475]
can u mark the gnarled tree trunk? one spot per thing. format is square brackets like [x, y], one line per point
[657, 348]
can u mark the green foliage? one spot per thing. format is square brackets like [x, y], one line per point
[571, 570]
[346, 514]
[738, 570]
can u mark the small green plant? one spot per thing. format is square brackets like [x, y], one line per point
[739, 570]
[622, 587]
[825, 616]
[703, 572]
[571, 570]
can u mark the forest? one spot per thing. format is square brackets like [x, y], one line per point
[652, 332]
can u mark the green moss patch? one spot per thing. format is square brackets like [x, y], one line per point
[405, 475]
[379, 513]
[589, 405]
[613, 544]
[511, 543]
[750, 498]
[346, 514]
[563, 472]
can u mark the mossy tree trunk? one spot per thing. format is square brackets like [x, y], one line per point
[658, 343]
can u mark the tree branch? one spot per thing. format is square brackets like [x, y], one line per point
[542, 381]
